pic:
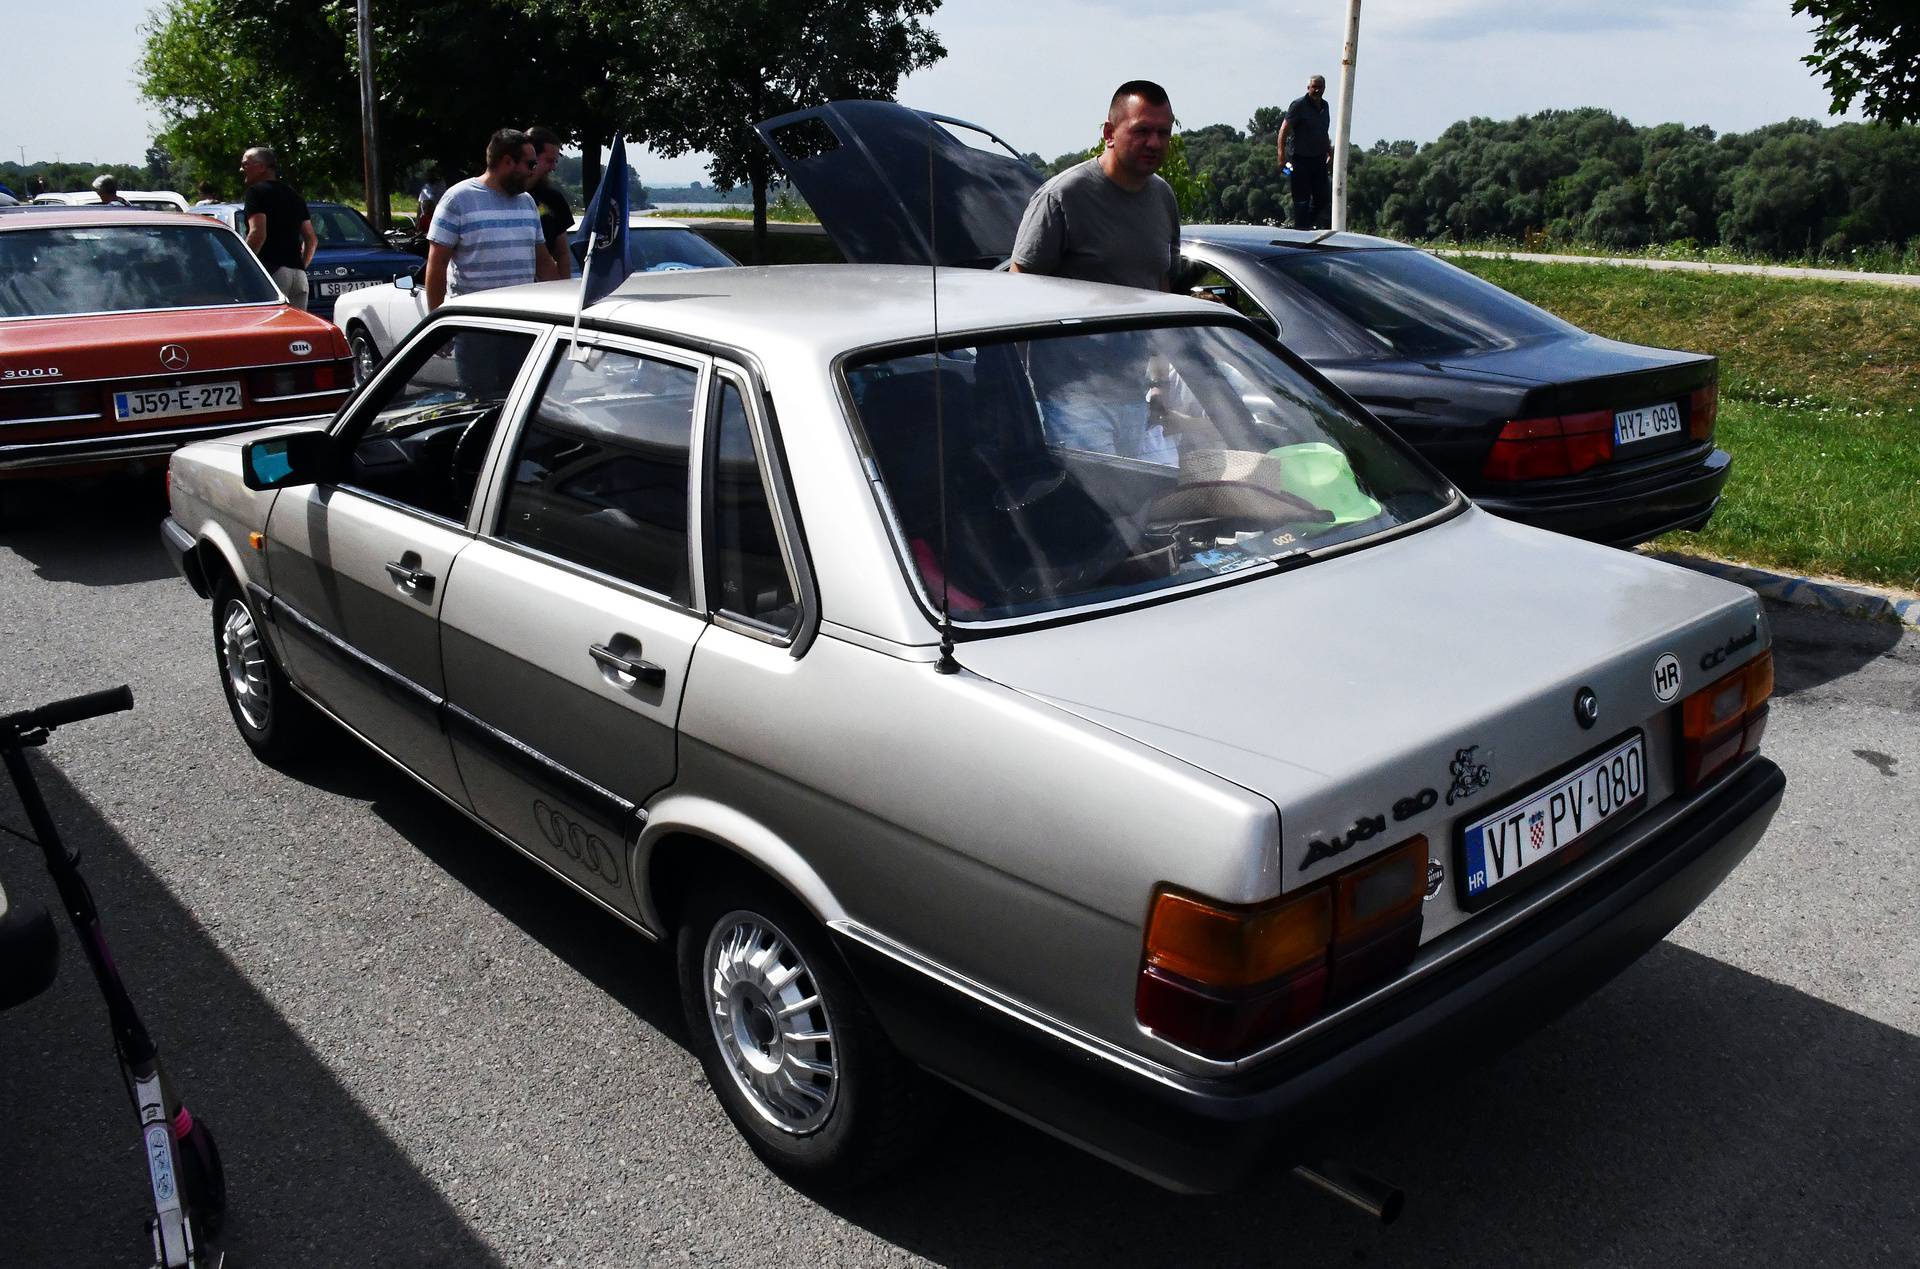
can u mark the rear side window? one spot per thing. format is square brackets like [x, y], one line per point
[749, 572]
[599, 477]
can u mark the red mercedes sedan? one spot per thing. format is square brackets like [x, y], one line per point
[125, 334]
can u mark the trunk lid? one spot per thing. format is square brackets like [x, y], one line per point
[1356, 682]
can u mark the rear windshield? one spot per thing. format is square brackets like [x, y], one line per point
[665, 250]
[1091, 467]
[126, 268]
[342, 227]
[1407, 303]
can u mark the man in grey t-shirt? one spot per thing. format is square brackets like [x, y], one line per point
[486, 230]
[1110, 219]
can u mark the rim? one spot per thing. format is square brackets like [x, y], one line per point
[772, 1027]
[364, 358]
[245, 660]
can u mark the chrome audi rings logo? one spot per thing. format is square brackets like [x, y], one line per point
[173, 357]
[583, 847]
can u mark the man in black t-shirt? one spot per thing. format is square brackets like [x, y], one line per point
[556, 217]
[278, 227]
[1305, 142]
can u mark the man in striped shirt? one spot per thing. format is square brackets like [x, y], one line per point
[486, 230]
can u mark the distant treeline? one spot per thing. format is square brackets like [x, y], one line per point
[1793, 188]
[1798, 188]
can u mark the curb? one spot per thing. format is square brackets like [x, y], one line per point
[1842, 597]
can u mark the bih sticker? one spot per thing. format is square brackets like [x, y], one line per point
[1666, 677]
[299, 348]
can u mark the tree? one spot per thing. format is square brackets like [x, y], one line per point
[1870, 50]
[735, 64]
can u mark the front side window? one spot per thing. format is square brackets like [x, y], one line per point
[429, 427]
[1091, 467]
[126, 268]
[599, 476]
[749, 572]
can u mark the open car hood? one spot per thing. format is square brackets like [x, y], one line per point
[894, 185]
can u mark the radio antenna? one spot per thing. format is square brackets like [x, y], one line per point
[946, 664]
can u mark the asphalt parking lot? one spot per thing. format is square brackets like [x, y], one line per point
[417, 1049]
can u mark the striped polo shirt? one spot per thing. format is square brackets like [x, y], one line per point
[493, 236]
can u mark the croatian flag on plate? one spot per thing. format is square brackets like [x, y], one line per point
[1537, 828]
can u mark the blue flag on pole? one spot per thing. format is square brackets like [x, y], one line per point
[603, 230]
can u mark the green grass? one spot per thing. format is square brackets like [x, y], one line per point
[1819, 404]
[1879, 258]
[784, 210]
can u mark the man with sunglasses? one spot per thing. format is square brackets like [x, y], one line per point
[486, 230]
[1306, 143]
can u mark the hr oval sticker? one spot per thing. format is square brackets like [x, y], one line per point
[1666, 677]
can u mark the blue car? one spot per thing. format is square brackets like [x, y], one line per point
[351, 255]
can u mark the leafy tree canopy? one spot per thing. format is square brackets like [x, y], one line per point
[1867, 50]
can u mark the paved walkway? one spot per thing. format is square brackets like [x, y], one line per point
[1703, 266]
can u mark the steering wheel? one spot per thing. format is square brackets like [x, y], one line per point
[470, 450]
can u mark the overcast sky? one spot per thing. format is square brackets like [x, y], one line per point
[1039, 72]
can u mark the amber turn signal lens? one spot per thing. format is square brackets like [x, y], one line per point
[1235, 946]
[1724, 720]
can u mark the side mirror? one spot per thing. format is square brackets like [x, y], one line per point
[406, 283]
[298, 458]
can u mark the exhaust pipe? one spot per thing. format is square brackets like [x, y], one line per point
[1370, 1194]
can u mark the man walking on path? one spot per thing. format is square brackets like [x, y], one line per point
[486, 231]
[1307, 128]
[556, 217]
[1111, 218]
[278, 227]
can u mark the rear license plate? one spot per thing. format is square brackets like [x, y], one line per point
[166, 403]
[1630, 427]
[341, 288]
[1498, 847]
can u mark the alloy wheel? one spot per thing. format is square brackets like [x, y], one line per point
[244, 658]
[772, 1026]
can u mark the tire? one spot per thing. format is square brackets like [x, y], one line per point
[274, 720]
[854, 1114]
[203, 1179]
[366, 354]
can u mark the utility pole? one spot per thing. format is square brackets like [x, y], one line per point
[369, 124]
[1349, 54]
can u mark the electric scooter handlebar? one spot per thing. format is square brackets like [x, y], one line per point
[72, 710]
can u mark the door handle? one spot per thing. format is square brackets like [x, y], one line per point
[634, 668]
[410, 579]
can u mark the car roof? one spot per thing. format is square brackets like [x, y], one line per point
[1273, 240]
[826, 309]
[49, 216]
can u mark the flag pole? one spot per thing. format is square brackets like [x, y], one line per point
[574, 351]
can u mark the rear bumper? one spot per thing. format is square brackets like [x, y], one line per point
[1209, 1134]
[1622, 512]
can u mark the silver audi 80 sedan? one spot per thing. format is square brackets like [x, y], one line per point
[1074, 696]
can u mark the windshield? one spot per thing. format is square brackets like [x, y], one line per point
[125, 268]
[1406, 303]
[342, 227]
[664, 250]
[1086, 468]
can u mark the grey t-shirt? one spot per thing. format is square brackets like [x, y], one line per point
[1081, 225]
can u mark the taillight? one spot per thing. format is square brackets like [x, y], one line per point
[1561, 445]
[1724, 720]
[1703, 406]
[298, 379]
[55, 403]
[1222, 980]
